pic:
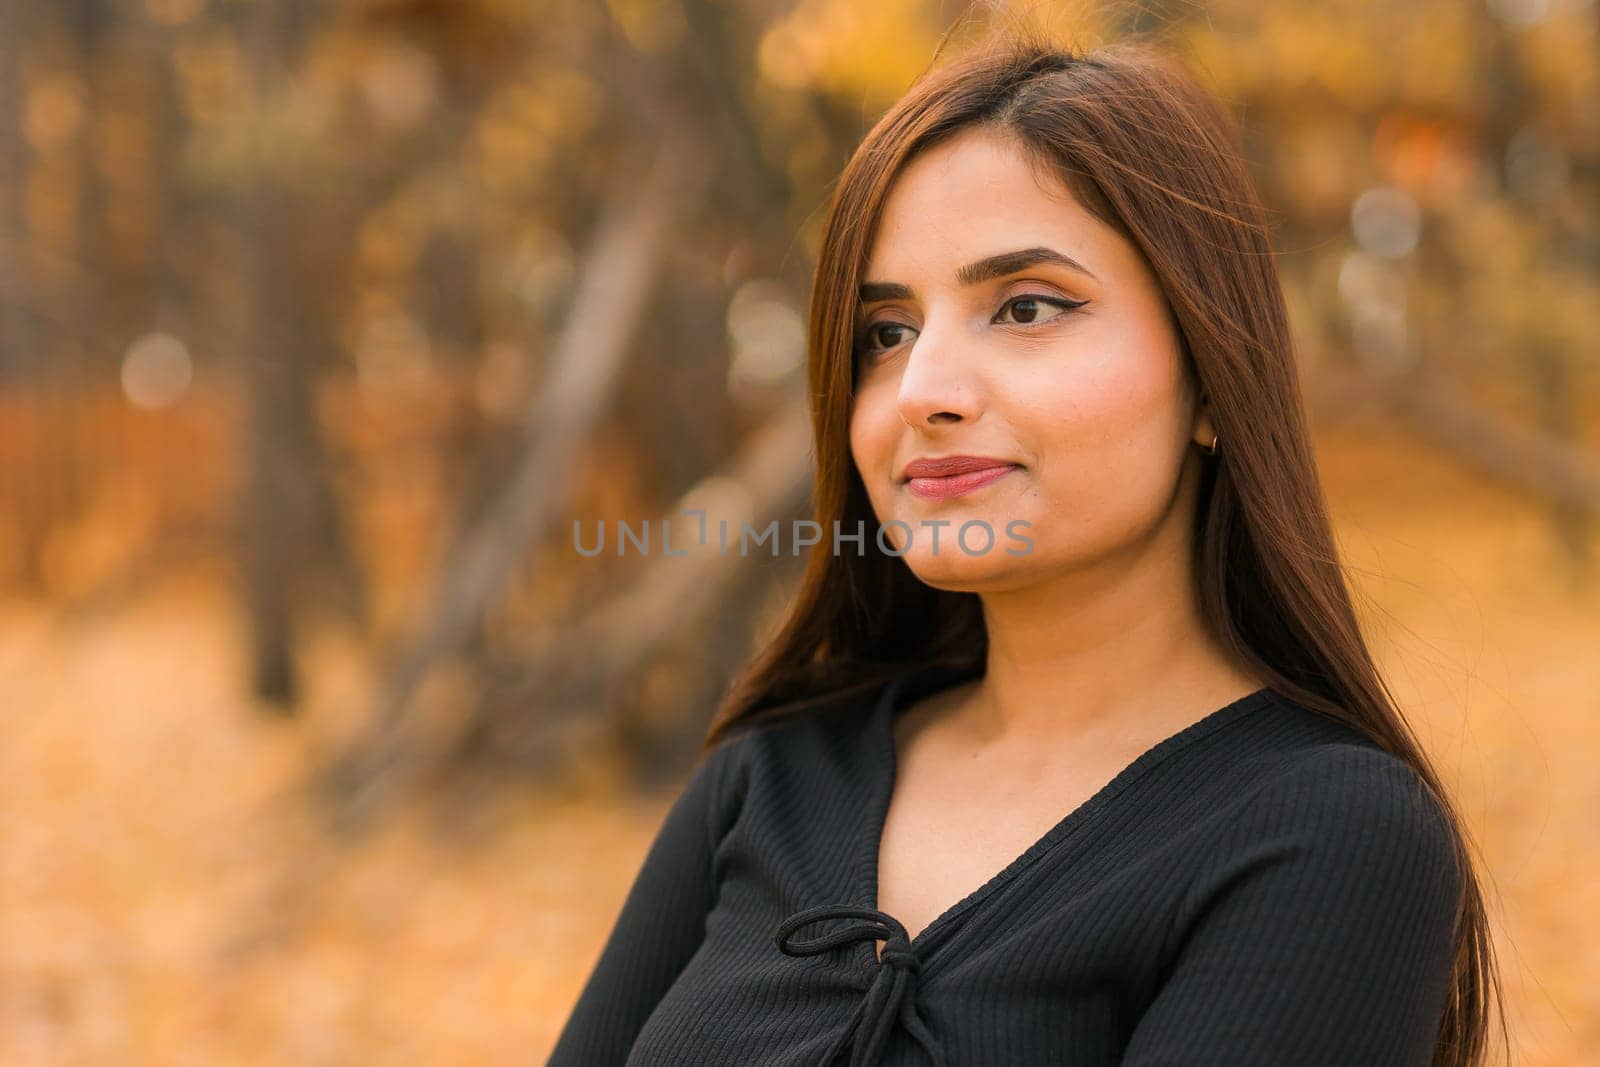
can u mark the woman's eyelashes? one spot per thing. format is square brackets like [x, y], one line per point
[1032, 299]
[1025, 306]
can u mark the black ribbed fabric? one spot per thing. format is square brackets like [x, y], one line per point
[1265, 886]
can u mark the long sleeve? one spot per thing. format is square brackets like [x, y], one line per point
[662, 921]
[1325, 937]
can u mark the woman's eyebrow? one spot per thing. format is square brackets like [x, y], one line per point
[996, 266]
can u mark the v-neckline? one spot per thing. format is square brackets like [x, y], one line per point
[905, 688]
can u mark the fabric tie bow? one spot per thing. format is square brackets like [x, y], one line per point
[892, 995]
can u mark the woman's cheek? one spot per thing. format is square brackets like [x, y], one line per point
[871, 445]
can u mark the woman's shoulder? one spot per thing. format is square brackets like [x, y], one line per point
[821, 720]
[1300, 786]
[1344, 800]
[810, 730]
[1354, 777]
[1312, 750]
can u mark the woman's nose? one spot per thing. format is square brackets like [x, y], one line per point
[937, 381]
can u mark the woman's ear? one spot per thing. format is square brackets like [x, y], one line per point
[1204, 431]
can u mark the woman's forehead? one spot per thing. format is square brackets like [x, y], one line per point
[977, 196]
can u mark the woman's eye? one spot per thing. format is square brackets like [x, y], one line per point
[1030, 309]
[1030, 306]
[883, 335]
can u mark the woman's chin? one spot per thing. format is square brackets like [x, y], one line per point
[957, 571]
[957, 541]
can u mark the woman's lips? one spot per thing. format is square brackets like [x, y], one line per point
[958, 484]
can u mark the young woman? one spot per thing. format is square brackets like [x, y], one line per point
[1115, 781]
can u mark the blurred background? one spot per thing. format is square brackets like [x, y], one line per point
[320, 322]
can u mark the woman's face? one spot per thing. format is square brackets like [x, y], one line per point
[1064, 368]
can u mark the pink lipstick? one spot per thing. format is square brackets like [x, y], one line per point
[951, 476]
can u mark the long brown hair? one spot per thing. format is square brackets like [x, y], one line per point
[1152, 154]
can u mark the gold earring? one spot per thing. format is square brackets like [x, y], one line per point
[1213, 449]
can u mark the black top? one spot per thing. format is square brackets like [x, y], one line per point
[1265, 886]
